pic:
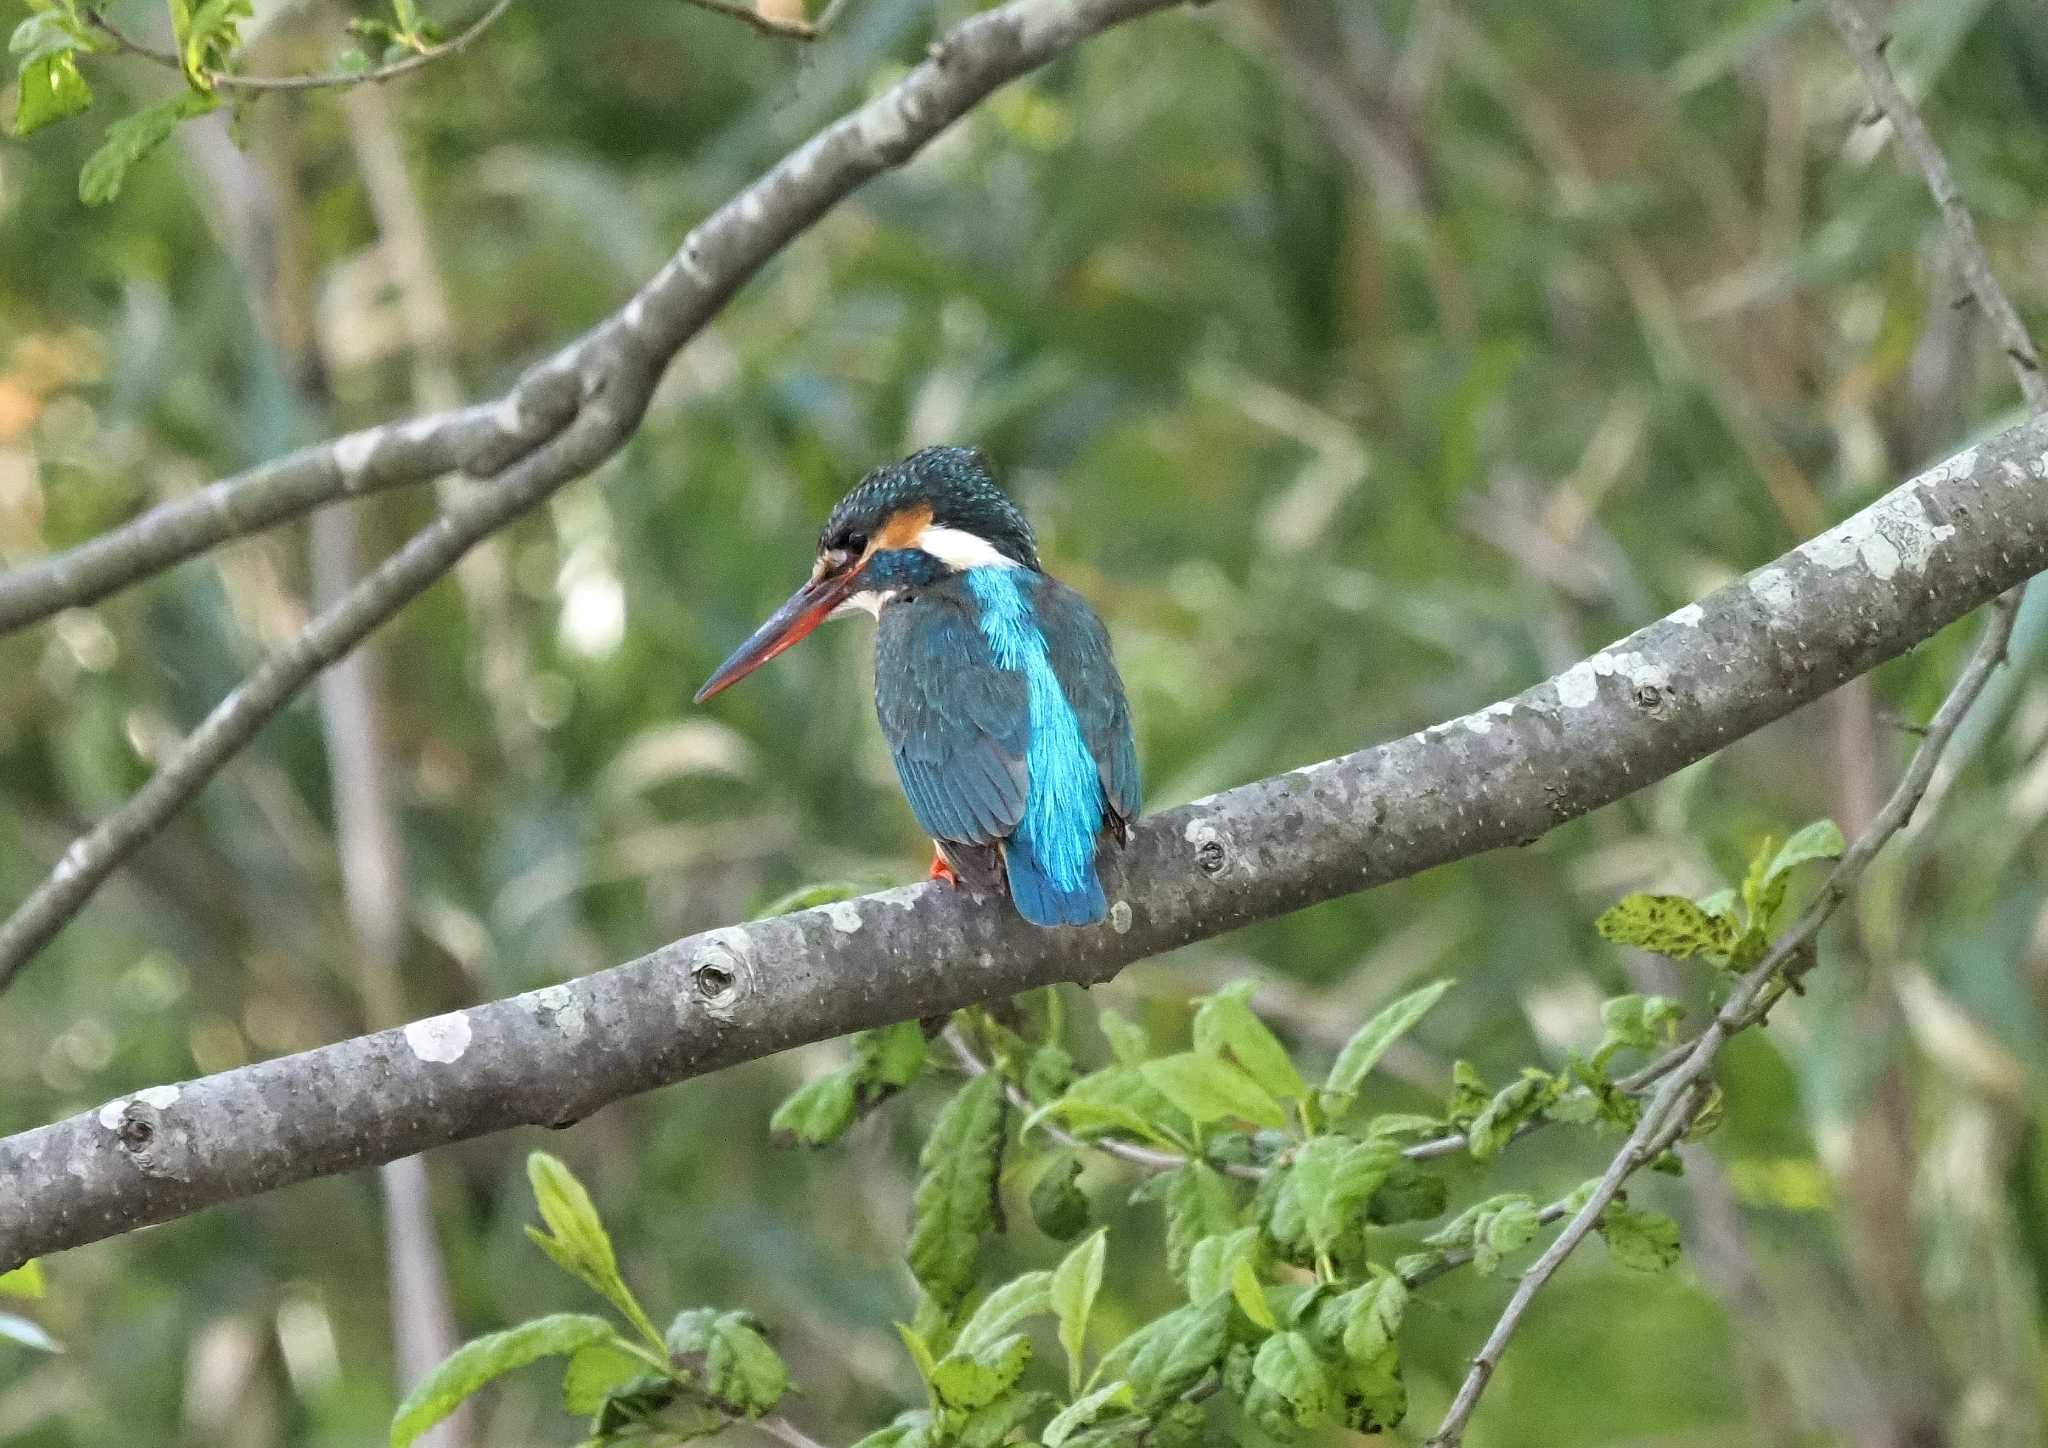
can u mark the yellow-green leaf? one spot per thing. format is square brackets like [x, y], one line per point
[1075, 1282]
[477, 1363]
[1393, 1021]
[1211, 1090]
[1668, 925]
[1225, 1025]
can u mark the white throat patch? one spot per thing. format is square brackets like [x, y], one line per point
[957, 548]
[868, 601]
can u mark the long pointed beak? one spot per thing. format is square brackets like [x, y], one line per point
[808, 607]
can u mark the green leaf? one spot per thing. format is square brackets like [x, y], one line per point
[911, 1429]
[1198, 1203]
[1250, 1294]
[1363, 1051]
[477, 1363]
[24, 1281]
[1048, 1073]
[1287, 1366]
[1769, 873]
[1116, 1098]
[1491, 1229]
[1211, 1090]
[1641, 1241]
[956, 1197]
[1496, 1125]
[988, 1426]
[817, 1112]
[1372, 1315]
[1104, 1402]
[1638, 1022]
[576, 1239]
[27, 1334]
[1075, 1283]
[1334, 1178]
[807, 897]
[741, 1370]
[1668, 925]
[1058, 1206]
[131, 138]
[967, 1381]
[1176, 1351]
[889, 1056]
[1003, 1309]
[595, 1373]
[1225, 1025]
[1409, 1194]
[1213, 1260]
[48, 89]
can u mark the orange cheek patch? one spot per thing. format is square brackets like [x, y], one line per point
[902, 529]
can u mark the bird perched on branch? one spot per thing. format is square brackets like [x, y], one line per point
[993, 681]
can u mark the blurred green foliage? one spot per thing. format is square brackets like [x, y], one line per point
[1345, 425]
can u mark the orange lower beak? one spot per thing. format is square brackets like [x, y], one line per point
[808, 607]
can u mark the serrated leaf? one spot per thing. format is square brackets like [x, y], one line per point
[989, 1426]
[131, 138]
[1211, 1261]
[1225, 1025]
[26, 1334]
[1198, 1203]
[1177, 1351]
[1110, 1399]
[1496, 1125]
[741, 1370]
[24, 1281]
[967, 1381]
[956, 1197]
[1363, 1051]
[1002, 1310]
[1507, 1226]
[477, 1363]
[1334, 1178]
[1207, 1090]
[1372, 1316]
[1250, 1294]
[817, 1112]
[889, 1055]
[594, 1374]
[1640, 1241]
[1287, 1366]
[49, 88]
[1058, 1206]
[1075, 1283]
[1409, 1194]
[1638, 1022]
[1668, 925]
[1116, 1098]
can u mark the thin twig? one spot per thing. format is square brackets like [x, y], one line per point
[777, 1426]
[1669, 1111]
[229, 80]
[1867, 49]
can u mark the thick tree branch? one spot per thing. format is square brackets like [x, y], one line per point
[579, 408]
[1927, 553]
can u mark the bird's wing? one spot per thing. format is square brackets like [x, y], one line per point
[1079, 647]
[958, 726]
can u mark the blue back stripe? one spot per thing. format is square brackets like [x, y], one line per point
[1063, 800]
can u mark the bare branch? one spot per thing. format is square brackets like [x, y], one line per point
[1868, 51]
[1929, 552]
[589, 398]
[229, 80]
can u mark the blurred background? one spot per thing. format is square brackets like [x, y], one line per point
[1362, 361]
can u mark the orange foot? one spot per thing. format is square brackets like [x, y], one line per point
[942, 871]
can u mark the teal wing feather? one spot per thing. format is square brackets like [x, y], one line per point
[957, 725]
[1080, 652]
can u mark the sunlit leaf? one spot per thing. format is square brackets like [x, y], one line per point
[476, 1363]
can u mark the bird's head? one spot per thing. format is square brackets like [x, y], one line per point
[903, 527]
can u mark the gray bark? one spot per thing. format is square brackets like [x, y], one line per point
[1923, 556]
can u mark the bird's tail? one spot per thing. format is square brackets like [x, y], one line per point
[1041, 901]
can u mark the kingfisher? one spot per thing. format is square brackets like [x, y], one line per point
[994, 682]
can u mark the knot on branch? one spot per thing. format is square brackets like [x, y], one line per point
[150, 1137]
[722, 975]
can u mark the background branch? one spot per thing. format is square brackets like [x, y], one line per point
[1917, 559]
[588, 400]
